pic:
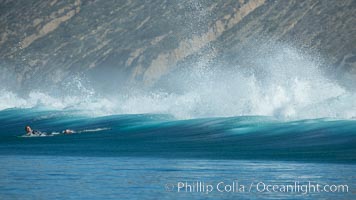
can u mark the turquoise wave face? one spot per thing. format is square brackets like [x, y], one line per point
[250, 137]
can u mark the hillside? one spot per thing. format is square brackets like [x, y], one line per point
[133, 41]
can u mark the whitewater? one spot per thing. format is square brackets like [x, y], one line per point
[282, 82]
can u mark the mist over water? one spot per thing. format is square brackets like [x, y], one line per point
[277, 81]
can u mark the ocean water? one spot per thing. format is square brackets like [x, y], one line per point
[67, 177]
[156, 156]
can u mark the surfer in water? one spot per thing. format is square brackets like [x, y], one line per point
[30, 132]
[68, 131]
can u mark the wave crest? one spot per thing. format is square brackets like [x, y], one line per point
[282, 82]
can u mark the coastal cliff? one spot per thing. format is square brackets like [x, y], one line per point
[116, 42]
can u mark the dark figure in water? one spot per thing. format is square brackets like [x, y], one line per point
[68, 131]
[29, 131]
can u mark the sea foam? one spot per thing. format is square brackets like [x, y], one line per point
[282, 82]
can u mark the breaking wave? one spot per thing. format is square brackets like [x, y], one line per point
[283, 82]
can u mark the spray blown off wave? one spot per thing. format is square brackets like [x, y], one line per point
[280, 82]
